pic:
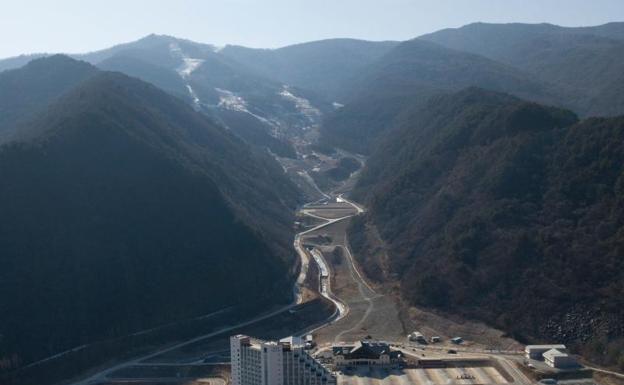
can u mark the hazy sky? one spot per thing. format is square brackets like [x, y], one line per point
[81, 25]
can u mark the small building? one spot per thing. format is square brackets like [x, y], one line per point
[535, 352]
[370, 353]
[309, 341]
[435, 339]
[558, 359]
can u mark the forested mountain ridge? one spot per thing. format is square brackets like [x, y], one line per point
[26, 91]
[504, 211]
[582, 62]
[119, 198]
[122, 209]
[326, 67]
[413, 72]
[232, 93]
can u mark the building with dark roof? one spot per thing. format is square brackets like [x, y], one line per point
[371, 353]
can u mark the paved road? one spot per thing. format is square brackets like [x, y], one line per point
[341, 307]
[616, 374]
[102, 375]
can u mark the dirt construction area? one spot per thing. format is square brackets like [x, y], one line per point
[421, 376]
[370, 313]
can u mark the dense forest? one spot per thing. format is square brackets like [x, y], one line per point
[123, 209]
[494, 182]
[583, 63]
[505, 211]
[577, 68]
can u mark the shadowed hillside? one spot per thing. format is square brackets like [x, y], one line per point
[584, 62]
[122, 209]
[504, 211]
[414, 71]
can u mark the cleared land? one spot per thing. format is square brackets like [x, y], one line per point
[419, 376]
[370, 313]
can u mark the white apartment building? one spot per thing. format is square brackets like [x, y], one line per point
[257, 362]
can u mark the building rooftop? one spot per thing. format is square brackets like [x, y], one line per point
[294, 342]
[554, 353]
[547, 347]
[365, 349]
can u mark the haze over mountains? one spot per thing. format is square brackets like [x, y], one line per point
[584, 63]
[139, 181]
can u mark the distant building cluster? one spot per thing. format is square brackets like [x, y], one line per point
[284, 362]
[555, 356]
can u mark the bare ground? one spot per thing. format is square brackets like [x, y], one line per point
[370, 313]
[376, 311]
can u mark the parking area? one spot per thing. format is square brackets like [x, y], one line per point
[430, 376]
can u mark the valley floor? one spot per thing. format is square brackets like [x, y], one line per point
[339, 306]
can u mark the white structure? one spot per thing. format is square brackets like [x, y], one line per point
[535, 352]
[256, 362]
[417, 337]
[320, 261]
[558, 359]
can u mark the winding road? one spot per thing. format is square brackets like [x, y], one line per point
[341, 308]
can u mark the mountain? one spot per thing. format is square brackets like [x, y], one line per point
[583, 62]
[26, 91]
[416, 70]
[505, 211]
[325, 67]
[217, 85]
[153, 48]
[501, 41]
[123, 209]
[249, 126]
[18, 61]
[131, 64]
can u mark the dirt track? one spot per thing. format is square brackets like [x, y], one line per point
[370, 313]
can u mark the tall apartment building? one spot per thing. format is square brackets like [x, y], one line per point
[256, 362]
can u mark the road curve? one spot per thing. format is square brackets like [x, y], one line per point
[341, 308]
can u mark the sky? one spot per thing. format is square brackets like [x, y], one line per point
[74, 26]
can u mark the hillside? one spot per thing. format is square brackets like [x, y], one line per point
[325, 67]
[224, 89]
[122, 209]
[414, 71]
[504, 211]
[133, 64]
[250, 105]
[26, 91]
[18, 61]
[583, 62]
